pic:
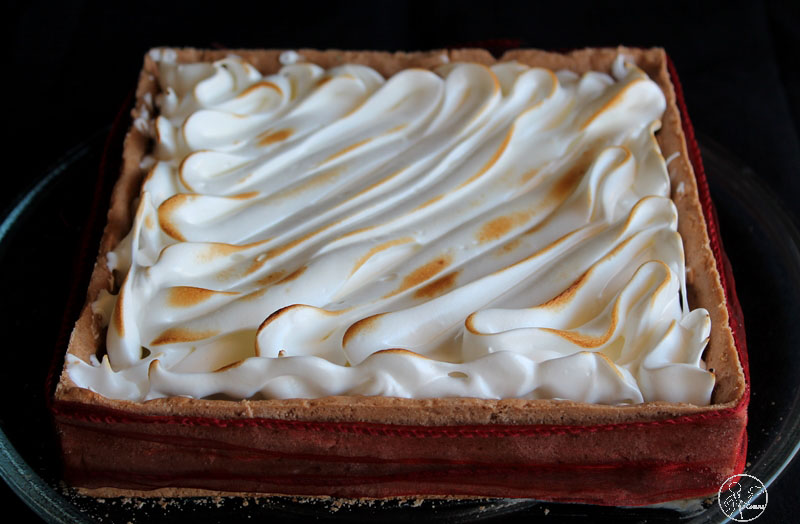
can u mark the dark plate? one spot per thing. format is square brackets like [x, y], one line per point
[44, 249]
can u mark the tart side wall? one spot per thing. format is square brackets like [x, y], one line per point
[623, 464]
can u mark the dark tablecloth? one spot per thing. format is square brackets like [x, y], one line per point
[72, 65]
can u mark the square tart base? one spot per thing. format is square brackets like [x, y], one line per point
[380, 447]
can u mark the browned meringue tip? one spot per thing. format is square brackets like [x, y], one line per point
[583, 340]
[377, 249]
[664, 280]
[438, 287]
[493, 160]
[267, 321]
[396, 129]
[282, 311]
[187, 296]
[229, 366]
[508, 247]
[495, 80]
[641, 203]
[294, 274]
[429, 202]
[221, 249]
[609, 363]
[180, 335]
[469, 324]
[400, 351]
[346, 150]
[259, 85]
[245, 196]
[363, 325]
[616, 99]
[167, 209]
[157, 132]
[271, 278]
[563, 298]
[498, 227]
[355, 232]
[270, 137]
[153, 367]
[182, 166]
[423, 273]
[117, 317]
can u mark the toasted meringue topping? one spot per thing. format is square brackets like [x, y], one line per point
[500, 232]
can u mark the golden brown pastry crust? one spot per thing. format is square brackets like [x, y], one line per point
[705, 289]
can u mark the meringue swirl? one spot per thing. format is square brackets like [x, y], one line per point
[490, 232]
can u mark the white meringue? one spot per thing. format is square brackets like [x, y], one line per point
[473, 232]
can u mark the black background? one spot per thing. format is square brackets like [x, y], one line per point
[72, 64]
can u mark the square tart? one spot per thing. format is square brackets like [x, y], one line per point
[383, 447]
